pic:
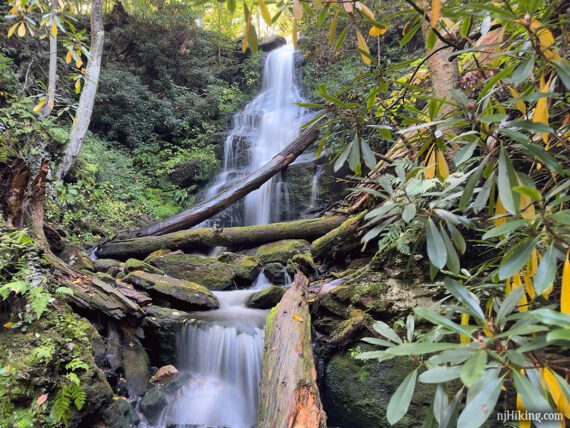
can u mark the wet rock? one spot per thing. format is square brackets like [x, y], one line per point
[77, 257]
[156, 253]
[267, 44]
[305, 263]
[120, 414]
[132, 265]
[129, 291]
[103, 265]
[105, 277]
[356, 393]
[275, 273]
[246, 267]
[184, 294]
[136, 364]
[206, 271]
[266, 298]
[281, 251]
[161, 326]
[152, 403]
[164, 375]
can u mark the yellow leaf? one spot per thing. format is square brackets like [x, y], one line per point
[523, 302]
[555, 392]
[533, 262]
[53, 29]
[8, 325]
[265, 13]
[520, 408]
[12, 29]
[435, 13]
[363, 47]
[39, 106]
[78, 62]
[297, 10]
[507, 286]
[442, 168]
[430, 164]
[528, 285]
[51, 103]
[77, 86]
[546, 42]
[464, 321]
[521, 106]
[69, 56]
[377, 31]
[365, 10]
[565, 289]
[21, 30]
[298, 318]
[294, 35]
[541, 110]
[500, 218]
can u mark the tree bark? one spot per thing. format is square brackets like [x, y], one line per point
[194, 239]
[289, 397]
[87, 98]
[339, 241]
[52, 74]
[207, 209]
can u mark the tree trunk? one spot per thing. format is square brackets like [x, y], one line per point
[339, 241]
[289, 397]
[87, 98]
[207, 209]
[194, 239]
[52, 76]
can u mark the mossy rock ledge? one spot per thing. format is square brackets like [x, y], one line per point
[160, 328]
[208, 272]
[281, 251]
[182, 294]
[266, 298]
[246, 267]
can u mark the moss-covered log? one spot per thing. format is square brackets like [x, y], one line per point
[197, 239]
[253, 181]
[289, 396]
[340, 240]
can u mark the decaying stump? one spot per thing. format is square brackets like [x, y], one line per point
[289, 397]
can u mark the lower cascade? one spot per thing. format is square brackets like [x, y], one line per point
[221, 351]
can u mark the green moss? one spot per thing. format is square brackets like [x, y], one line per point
[134, 264]
[281, 251]
[266, 298]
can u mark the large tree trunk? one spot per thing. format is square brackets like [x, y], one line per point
[87, 98]
[207, 209]
[199, 239]
[289, 397]
[52, 76]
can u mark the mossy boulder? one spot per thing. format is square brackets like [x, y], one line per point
[276, 273]
[120, 414]
[246, 267]
[208, 272]
[356, 393]
[105, 277]
[303, 262]
[133, 264]
[183, 294]
[266, 298]
[136, 364]
[281, 251]
[156, 253]
[103, 265]
[161, 326]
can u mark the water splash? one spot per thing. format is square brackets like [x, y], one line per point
[265, 127]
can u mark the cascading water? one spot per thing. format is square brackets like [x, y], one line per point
[266, 126]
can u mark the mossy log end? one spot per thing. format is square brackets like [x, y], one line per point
[289, 396]
[209, 208]
[197, 239]
[340, 240]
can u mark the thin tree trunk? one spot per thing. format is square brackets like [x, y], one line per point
[87, 98]
[52, 76]
[195, 239]
[289, 396]
[207, 209]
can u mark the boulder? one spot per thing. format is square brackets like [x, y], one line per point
[184, 294]
[133, 264]
[164, 375]
[206, 271]
[105, 277]
[192, 171]
[120, 414]
[267, 44]
[266, 298]
[158, 397]
[246, 267]
[156, 253]
[103, 265]
[305, 263]
[136, 364]
[281, 251]
[77, 257]
[129, 291]
[275, 273]
[356, 393]
[161, 326]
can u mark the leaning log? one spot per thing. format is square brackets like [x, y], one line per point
[204, 238]
[339, 241]
[289, 397]
[207, 209]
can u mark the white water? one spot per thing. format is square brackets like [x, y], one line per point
[315, 187]
[222, 351]
[266, 126]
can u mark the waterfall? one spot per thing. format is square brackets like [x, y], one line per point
[266, 126]
[315, 187]
[222, 351]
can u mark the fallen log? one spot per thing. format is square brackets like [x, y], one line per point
[207, 209]
[289, 397]
[339, 241]
[197, 239]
